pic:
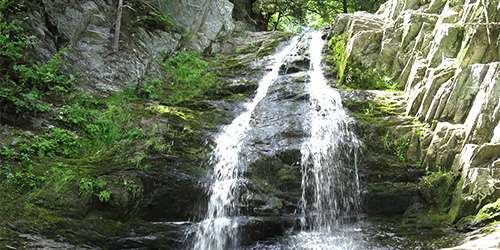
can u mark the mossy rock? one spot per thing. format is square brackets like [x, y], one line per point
[389, 198]
[435, 190]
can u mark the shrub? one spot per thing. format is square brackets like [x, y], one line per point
[24, 180]
[25, 87]
[187, 78]
[56, 142]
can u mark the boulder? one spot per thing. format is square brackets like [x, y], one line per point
[85, 30]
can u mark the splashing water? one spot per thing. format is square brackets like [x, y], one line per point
[219, 229]
[330, 184]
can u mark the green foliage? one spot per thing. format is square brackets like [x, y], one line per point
[104, 196]
[489, 213]
[358, 76]
[86, 187]
[44, 77]
[287, 23]
[25, 87]
[312, 13]
[338, 47]
[401, 148]
[79, 112]
[56, 142]
[89, 188]
[12, 41]
[165, 21]
[11, 44]
[28, 88]
[105, 125]
[366, 5]
[355, 75]
[397, 147]
[188, 78]
[24, 180]
[147, 15]
[134, 190]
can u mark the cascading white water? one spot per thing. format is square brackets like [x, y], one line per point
[329, 173]
[219, 229]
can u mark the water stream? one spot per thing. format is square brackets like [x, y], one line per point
[330, 183]
[328, 211]
[219, 229]
[329, 173]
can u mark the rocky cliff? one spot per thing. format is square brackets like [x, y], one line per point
[151, 30]
[445, 56]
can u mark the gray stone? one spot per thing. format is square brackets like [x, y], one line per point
[85, 30]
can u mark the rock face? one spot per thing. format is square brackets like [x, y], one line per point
[85, 30]
[445, 55]
[203, 20]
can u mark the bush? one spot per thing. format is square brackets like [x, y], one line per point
[56, 142]
[25, 87]
[187, 78]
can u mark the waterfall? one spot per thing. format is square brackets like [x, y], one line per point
[219, 229]
[330, 184]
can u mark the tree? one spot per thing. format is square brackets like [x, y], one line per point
[274, 12]
[118, 24]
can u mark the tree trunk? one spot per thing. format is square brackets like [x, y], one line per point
[345, 6]
[118, 24]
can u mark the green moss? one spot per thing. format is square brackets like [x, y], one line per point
[436, 189]
[489, 213]
[275, 175]
[354, 74]
[456, 203]
[162, 109]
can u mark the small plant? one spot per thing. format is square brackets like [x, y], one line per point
[401, 148]
[147, 15]
[8, 153]
[25, 87]
[94, 187]
[370, 110]
[338, 46]
[134, 190]
[86, 187]
[397, 147]
[55, 142]
[386, 141]
[104, 196]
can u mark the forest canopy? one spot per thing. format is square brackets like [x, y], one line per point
[293, 14]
